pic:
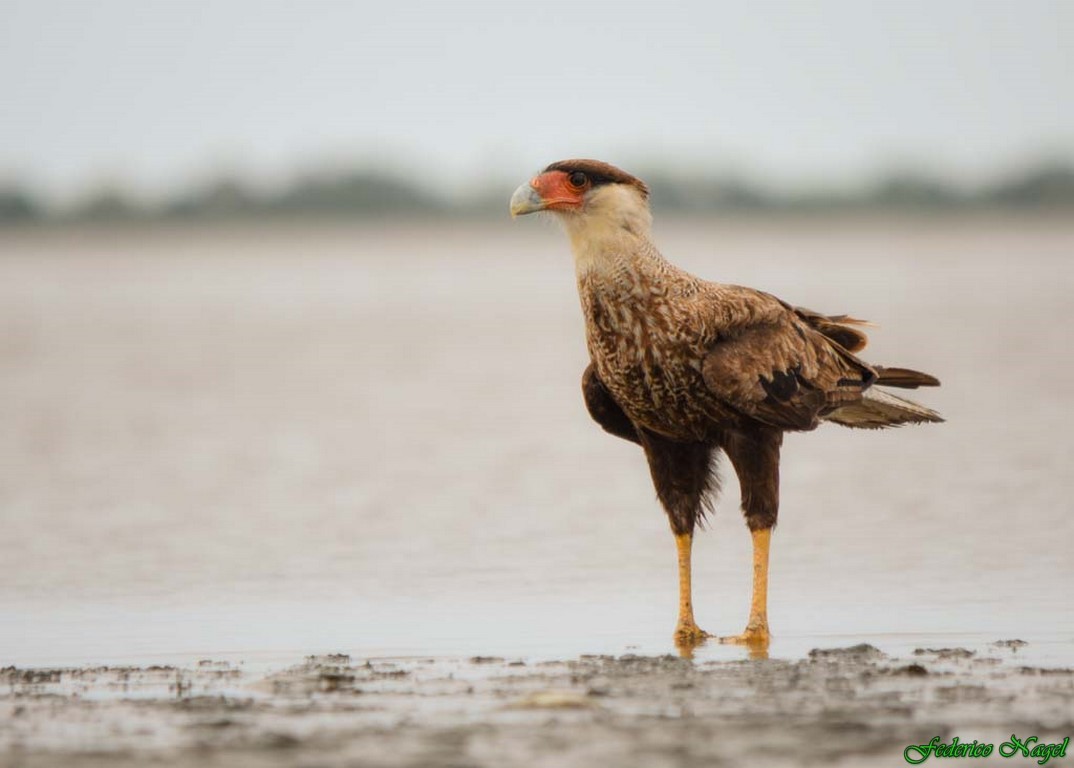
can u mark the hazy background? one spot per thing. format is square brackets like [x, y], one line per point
[278, 375]
[157, 102]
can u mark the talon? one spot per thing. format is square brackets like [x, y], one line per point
[753, 636]
[689, 636]
[690, 633]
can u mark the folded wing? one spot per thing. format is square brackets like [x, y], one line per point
[794, 368]
[785, 373]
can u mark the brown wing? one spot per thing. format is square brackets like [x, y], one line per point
[784, 372]
[603, 408]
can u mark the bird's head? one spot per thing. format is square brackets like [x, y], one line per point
[584, 194]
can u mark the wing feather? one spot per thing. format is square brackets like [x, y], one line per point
[786, 371]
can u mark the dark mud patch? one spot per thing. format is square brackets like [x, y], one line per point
[842, 706]
[862, 651]
[1012, 645]
[946, 654]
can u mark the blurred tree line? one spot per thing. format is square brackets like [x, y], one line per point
[363, 194]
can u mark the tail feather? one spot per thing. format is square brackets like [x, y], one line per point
[878, 409]
[904, 378]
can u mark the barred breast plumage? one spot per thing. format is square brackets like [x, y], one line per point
[645, 348]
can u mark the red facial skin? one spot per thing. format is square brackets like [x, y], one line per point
[558, 193]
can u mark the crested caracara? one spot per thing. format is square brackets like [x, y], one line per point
[688, 368]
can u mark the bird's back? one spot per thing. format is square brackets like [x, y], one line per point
[687, 357]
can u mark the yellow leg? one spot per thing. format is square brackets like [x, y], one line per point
[756, 633]
[686, 631]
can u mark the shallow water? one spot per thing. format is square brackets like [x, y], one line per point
[261, 441]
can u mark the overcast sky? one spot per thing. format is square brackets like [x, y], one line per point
[163, 94]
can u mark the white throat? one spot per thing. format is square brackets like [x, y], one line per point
[613, 226]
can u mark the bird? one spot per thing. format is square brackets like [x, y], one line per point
[693, 370]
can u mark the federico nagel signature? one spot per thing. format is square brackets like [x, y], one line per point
[915, 754]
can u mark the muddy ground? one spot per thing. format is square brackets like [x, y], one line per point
[851, 706]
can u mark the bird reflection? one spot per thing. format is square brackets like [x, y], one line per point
[688, 644]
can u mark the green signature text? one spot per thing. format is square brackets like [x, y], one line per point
[915, 754]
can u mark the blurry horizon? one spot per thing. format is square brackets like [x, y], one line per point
[157, 101]
[356, 193]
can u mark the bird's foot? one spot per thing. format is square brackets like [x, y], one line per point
[689, 632]
[689, 636]
[755, 636]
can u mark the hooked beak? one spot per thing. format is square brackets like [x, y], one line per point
[525, 200]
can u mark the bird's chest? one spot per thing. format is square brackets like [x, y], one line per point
[642, 358]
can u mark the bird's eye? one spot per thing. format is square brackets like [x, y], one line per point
[578, 179]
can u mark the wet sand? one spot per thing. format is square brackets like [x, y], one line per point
[854, 706]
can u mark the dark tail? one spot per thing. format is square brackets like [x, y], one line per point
[878, 409]
[904, 378]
